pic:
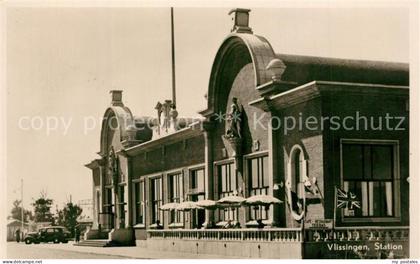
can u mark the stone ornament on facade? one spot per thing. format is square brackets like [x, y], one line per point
[276, 67]
[232, 138]
[169, 122]
[234, 120]
[159, 110]
[113, 167]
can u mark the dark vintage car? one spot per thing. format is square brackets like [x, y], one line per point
[55, 234]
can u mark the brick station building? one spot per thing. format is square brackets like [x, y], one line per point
[145, 163]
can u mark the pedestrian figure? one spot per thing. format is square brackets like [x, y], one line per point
[260, 223]
[77, 234]
[17, 234]
[228, 224]
[158, 225]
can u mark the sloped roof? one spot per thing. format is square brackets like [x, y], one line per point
[303, 69]
[15, 222]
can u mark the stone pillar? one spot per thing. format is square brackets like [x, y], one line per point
[272, 167]
[125, 174]
[130, 195]
[148, 203]
[94, 197]
[241, 211]
[276, 175]
[101, 193]
[208, 171]
[115, 200]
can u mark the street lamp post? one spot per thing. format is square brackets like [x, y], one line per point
[21, 207]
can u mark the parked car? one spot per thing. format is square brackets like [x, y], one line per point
[55, 234]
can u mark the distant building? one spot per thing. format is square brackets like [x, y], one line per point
[238, 149]
[87, 208]
[12, 226]
[35, 226]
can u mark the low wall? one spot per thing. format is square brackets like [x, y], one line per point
[243, 249]
[141, 234]
[95, 234]
[122, 237]
[358, 243]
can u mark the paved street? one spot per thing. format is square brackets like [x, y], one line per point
[51, 251]
[67, 251]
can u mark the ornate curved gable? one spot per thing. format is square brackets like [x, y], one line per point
[237, 50]
[116, 123]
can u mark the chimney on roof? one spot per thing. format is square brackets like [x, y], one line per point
[240, 19]
[116, 97]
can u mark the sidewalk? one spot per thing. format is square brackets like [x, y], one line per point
[131, 252]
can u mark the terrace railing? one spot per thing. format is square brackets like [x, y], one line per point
[272, 234]
[286, 234]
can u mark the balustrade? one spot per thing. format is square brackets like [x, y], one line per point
[286, 234]
[274, 234]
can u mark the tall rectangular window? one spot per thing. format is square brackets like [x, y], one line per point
[109, 203]
[368, 172]
[197, 193]
[258, 182]
[175, 183]
[139, 192]
[227, 186]
[121, 205]
[197, 181]
[156, 188]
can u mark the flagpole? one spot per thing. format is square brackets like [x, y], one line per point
[173, 58]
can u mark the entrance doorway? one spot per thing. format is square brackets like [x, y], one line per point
[198, 215]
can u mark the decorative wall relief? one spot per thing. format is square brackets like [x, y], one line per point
[232, 139]
[234, 120]
[113, 168]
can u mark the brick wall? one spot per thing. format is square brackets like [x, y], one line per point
[167, 157]
[374, 105]
[311, 143]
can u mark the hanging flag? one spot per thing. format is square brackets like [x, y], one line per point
[346, 200]
[311, 188]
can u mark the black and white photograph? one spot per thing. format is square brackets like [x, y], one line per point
[209, 130]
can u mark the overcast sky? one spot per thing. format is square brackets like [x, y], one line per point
[62, 62]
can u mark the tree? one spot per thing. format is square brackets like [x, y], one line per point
[68, 216]
[42, 208]
[16, 212]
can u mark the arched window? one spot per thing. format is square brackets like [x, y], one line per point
[296, 176]
[296, 170]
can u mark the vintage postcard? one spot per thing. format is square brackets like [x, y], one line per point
[244, 130]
